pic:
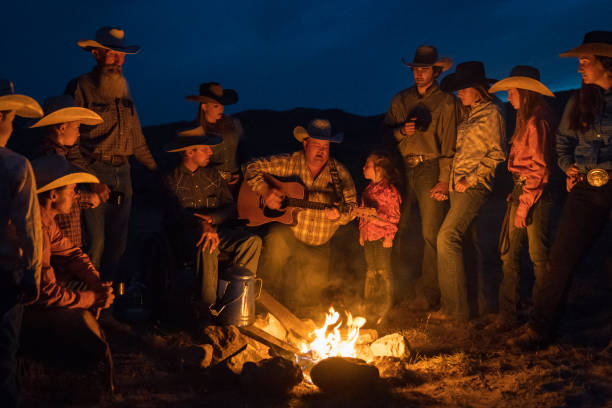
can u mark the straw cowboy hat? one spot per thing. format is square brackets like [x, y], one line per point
[317, 129]
[111, 38]
[595, 43]
[466, 75]
[427, 56]
[23, 106]
[55, 171]
[522, 77]
[62, 109]
[213, 92]
[192, 136]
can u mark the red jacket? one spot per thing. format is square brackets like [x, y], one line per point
[60, 253]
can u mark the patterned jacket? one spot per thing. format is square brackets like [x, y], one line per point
[313, 227]
[386, 199]
[480, 137]
[120, 134]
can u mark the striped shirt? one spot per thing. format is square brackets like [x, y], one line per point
[313, 227]
[480, 137]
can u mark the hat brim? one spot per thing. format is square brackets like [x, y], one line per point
[192, 139]
[444, 63]
[23, 105]
[301, 134]
[603, 49]
[229, 97]
[70, 114]
[87, 45]
[72, 178]
[521, 82]
[451, 83]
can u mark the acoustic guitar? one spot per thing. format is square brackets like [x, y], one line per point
[251, 206]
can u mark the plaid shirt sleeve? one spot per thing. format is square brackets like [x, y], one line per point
[282, 165]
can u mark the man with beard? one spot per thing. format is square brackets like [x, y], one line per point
[325, 180]
[20, 239]
[110, 144]
[423, 121]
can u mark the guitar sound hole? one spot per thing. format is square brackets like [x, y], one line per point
[270, 213]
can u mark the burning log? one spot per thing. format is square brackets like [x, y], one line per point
[268, 339]
[284, 315]
[271, 325]
[344, 375]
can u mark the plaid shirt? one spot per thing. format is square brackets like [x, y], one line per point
[313, 227]
[120, 134]
[480, 137]
[70, 224]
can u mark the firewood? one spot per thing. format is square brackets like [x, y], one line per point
[284, 315]
[268, 339]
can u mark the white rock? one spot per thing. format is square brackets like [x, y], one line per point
[393, 345]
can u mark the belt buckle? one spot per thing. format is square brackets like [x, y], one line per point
[413, 160]
[597, 177]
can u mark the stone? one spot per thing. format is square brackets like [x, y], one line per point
[394, 370]
[200, 355]
[250, 354]
[273, 376]
[226, 341]
[364, 352]
[345, 375]
[392, 345]
[271, 325]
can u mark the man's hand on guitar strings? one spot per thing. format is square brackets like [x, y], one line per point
[273, 198]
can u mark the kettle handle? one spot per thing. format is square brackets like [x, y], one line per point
[259, 287]
[216, 309]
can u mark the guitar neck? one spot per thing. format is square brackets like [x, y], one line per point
[313, 205]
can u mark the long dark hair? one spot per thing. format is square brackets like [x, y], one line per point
[532, 105]
[383, 161]
[589, 100]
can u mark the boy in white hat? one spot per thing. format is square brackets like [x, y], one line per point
[20, 238]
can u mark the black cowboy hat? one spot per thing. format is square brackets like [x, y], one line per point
[112, 38]
[466, 75]
[212, 91]
[191, 136]
[427, 56]
[595, 43]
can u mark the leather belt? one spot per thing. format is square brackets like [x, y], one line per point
[596, 177]
[112, 159]
[413, 160]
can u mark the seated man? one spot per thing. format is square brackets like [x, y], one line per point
[64, 314]
[325, 180]
[200, 211]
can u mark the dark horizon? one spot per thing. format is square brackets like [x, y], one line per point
[344, 55]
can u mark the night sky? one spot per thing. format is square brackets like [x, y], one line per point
[285, 54]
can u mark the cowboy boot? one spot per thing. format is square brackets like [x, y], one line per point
[387, 287]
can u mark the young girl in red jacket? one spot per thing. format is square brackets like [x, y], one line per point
[376, 232]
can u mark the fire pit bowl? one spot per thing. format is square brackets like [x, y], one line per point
[345, 374]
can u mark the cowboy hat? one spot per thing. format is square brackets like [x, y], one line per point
[466, 75]
[427, 56]
[213, 92]
[522, 77]
[62, 109]
[317, 129]
[23, 106]
[111, 38]
[594, 43]
[55, 171]
[192, 136]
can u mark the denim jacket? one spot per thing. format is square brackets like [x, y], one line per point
[591, 149]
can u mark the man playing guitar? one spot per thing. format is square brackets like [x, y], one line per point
[326, 181]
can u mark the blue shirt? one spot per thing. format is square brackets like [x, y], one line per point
[591, 149]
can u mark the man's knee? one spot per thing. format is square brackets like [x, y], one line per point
[448, 238]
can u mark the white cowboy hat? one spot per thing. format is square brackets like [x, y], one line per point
[23, 105]
[62, 109]
[55, 171]
[522, 77]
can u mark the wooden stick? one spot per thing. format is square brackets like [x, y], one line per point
[284, 315]
[267, 339]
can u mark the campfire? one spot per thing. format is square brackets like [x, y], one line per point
[329, 340]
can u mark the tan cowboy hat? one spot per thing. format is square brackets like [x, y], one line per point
[111, 38]
[192, 136]
[23, 106]
[317, 129]
[427, 56]
[522, 77]
[594, 43]
[62, 109]
[55, 171]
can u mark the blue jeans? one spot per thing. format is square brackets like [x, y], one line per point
[107, 225]
[457, 226]
[419, 181]
[538, 237]
[10, 326]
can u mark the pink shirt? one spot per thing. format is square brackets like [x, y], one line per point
[384, 197]
[531, 157]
